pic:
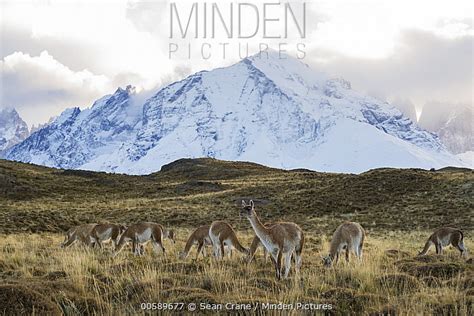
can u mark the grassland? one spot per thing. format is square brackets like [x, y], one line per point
[398, 208]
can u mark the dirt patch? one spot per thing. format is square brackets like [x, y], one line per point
[19, 300]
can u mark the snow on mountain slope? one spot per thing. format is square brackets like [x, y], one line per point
[76, 136]
[468, 158]
[12, 129]
[273, 111]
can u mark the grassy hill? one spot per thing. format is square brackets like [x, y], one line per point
[398, 208]
[189, 192]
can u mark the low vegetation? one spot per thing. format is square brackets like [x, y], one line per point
[398, 208]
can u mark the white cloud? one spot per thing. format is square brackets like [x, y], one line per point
[423, 67]
[40, 86]
[126, 42]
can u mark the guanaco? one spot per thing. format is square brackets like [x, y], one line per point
[141, 233]
[349, 236]
[222, 234]
[443, 237]
[104, 232]
[200, 237]
[80, 233]
[254, 246]
[283, 239]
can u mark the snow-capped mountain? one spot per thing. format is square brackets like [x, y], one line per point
[39, 126]
[265, 109]
[13, 129]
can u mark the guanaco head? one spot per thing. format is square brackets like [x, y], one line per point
[327, 261]
[247, 209]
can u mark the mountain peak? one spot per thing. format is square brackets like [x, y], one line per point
[270, 109]
[129, 89]
[12, 128]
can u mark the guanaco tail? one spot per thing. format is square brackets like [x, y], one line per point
[80, 233]
[105, 232]
[222, 234]
[283, 239]
[141, 233]
[349, 236]
[443, 237]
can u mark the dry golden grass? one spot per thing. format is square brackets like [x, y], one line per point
[78, 280]
[398, 208]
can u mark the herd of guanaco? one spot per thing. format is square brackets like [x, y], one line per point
[281, 240]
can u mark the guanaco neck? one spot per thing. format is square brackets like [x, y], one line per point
[333, 249]
[189, 244]
[260, 230]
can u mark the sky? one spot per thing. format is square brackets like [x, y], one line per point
[57, 54]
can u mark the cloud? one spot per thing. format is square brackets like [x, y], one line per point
[21, 39]
[124, 42]
[423, 67]
[40, 86]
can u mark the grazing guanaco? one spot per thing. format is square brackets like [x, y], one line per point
[254, 246]
[283, 239]
[104, 232]
[200, 237]
[141, 233]
[443, 237]
[80, 233]
[222, 234]
[349, 236]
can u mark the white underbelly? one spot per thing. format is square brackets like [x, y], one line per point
[145, 236]
[445, 241]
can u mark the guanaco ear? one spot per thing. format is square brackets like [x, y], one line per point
[243, 203]
[251, 203]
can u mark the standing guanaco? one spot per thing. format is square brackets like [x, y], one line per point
[222, 234]
[281, 239]
[104, 232]
[141, 233]
[443, 237]
[349, 236]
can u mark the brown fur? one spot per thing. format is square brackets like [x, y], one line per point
[281, 239]
[80, 233]
[443, 237]
[200, 237]
[349, 236]
[254, 246]
[104, 232]
[221, 234]
[139, 234]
